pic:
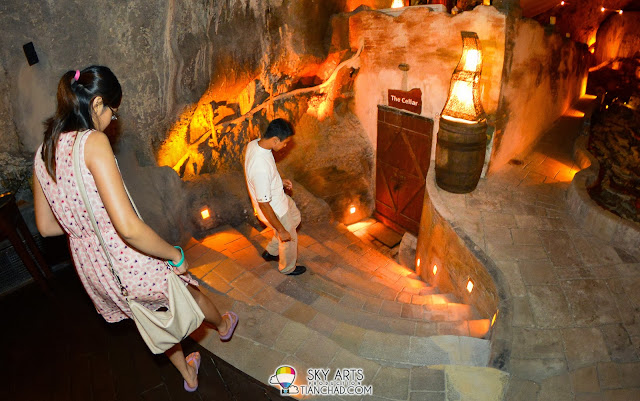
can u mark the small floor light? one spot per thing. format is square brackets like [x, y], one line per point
[418, 263]
[470, 286]
[435, 269]
[205, 213]
[352, 209]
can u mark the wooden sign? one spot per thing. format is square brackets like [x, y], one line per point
[410, 101]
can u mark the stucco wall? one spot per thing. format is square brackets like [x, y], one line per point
[430, 43]
[618, 37]
[543, 75]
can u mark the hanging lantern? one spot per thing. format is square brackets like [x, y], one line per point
[462, 137]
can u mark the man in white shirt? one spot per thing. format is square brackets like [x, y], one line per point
[266, 189]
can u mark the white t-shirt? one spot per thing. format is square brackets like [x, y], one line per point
[263, 180]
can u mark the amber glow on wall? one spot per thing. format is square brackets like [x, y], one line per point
[418, 263]
[352, 209]
[435, 269]
[469, 286]
[397, 4]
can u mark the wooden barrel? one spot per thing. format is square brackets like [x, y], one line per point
[460, 154]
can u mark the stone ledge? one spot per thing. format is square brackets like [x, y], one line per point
[590, 216]
[501, 332]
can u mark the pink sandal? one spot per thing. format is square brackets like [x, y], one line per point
[194, 360]
[234, 322]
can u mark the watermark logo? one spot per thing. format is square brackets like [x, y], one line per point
[284, 377]
[340, 382]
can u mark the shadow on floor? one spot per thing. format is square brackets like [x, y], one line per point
[57, 347]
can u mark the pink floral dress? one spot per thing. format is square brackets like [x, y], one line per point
[144, 277]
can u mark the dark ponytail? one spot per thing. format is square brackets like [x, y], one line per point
[73, 110]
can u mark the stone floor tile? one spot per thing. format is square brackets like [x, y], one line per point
[273, 277]
[259, 326]
[522, 314]
[292, 288]
[537, 272]
[514, 278]
[628, 269]
[497, 235]
[305, 240]
[609, 375]
[291, 337]
[390, 308]
[248, 283]
[348, 337]
[585, 380]
[392, 383]
[426, 396]
[426, 329]
[347, 359]
[496, 219]
[618, 343]
[196, 251]
[525, 236]
[372, 305]
[630, 374]
[589, 397]
[626, 394]
[210, 257]
[216, 282]
[353, 301]
[390, 347]
[549, 306]
[323, 324]
[537, 343]
[300, 313]
[575, 272]
[504, 252]
[556, 388]
[453, 328]
[410, 311]
[590, 302]
[228, 270]
[631, 286]
[532, 222]
[437, 350]
[537, 369]
[320, 249]
[560, 248]
[274, 301]
[425, 378]
[522, 390]
[317, 351]
[242, 297]
[238, 244]
[593, 252]
[584, 346]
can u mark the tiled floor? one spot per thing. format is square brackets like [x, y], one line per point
[56, 347]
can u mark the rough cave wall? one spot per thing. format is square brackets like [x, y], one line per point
[165, 54]
[544, 74]
[618, 37]
[430, 43]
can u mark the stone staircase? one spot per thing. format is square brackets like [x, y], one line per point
[353, 308]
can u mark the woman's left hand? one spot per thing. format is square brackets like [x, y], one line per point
[183, 268]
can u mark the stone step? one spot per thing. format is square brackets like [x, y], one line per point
[393, 364]
[272, 288]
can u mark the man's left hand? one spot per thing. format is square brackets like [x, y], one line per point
[287, 184]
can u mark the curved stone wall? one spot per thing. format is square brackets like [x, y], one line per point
[443, 243]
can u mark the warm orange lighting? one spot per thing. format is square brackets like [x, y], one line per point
[352, 209]
[562, 3]
[463, 103]
[620, 12]
[602, 9]
[470, 286]
[493, 320]
[435, 269]
[418, 263]
[205, 213]
[397, 4]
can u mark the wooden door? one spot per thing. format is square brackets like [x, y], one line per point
[402, 162]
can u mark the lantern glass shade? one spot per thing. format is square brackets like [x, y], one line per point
[463, 103]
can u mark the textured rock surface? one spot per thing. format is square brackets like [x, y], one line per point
[618, 37]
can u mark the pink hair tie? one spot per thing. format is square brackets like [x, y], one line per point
[77, 76]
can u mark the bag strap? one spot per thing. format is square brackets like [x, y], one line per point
[85, 198]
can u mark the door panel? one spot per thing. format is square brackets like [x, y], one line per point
[402, 162]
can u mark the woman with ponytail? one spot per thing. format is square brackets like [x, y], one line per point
[87, 100]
